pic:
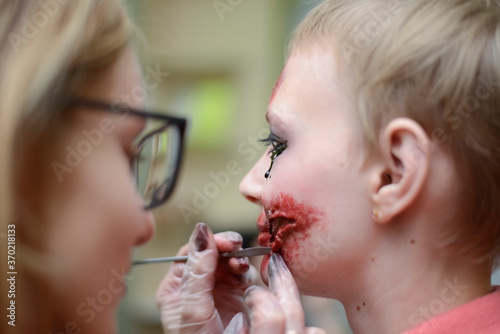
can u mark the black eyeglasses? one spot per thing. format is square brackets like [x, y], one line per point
[159, 150]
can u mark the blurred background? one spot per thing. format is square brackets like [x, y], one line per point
[216, 63]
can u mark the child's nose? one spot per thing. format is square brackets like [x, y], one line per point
[146, 228]
[252, 184]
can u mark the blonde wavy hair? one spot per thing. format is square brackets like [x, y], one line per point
[437, 62]
[48, 49]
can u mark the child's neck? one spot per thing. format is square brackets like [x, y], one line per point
[421, 286]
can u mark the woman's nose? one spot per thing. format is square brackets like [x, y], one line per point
[146, 228]
[252, 184]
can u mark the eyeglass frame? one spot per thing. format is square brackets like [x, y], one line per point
[179, 122]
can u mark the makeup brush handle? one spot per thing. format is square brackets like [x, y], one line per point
[247, 252]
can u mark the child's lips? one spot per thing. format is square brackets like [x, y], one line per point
[273, 229]
[273, 233]
[264, 239]
[277, 224]
[284, 225]
[262, 222]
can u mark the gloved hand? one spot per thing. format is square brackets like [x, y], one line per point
[279, 310]
[205, 293]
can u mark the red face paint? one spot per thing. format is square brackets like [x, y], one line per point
[277, 85]
[284, 226]
[284, 217]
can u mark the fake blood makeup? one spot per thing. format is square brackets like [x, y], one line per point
[284, 225]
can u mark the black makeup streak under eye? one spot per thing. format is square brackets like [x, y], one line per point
[278, 147]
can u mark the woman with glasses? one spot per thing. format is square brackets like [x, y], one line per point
[80, 165]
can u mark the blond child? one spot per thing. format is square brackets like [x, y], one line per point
[382, 184]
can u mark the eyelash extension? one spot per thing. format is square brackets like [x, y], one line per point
[271, 137]
[277, 147]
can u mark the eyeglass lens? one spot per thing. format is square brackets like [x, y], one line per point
[156, 164]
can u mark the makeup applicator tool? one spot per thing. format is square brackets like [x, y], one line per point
[247, 252]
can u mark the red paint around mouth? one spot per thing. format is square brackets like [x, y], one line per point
[283, 217]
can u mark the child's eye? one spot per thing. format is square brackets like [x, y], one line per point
[278, 146]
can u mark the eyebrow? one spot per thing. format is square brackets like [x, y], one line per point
[270, 115]
[275, 118]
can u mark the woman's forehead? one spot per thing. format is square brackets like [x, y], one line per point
[119, 84]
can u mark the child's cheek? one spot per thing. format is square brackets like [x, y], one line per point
[307, 253]
[297, 230]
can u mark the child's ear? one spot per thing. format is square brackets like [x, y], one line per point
[405, 153]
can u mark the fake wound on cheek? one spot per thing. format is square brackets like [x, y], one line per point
[285, 223]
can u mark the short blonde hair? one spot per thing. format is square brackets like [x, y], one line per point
[437, 62]
[48, 49]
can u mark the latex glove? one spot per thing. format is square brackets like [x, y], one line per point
[279, 310]
[203, 294]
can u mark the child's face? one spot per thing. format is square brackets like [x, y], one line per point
[317, 184]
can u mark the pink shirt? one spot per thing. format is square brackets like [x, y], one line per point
[481, 316]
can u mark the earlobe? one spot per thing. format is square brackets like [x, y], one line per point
[405, 154]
